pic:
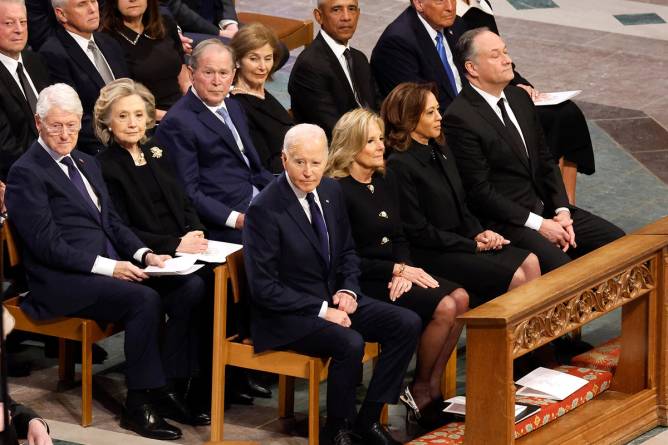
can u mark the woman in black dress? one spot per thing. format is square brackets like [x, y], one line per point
[445, 237]
[256, 49]
[152, 47]
[372, 202]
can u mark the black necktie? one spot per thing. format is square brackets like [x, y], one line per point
[318, 224]
[76, 179]
[27, 89]
[512, 130]
[349, 61]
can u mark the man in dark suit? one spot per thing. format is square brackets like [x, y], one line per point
[512, 182]
[207, 137]
[74, 246]
[303, 272]
[329, 77]
[84, 59]
[23, 74]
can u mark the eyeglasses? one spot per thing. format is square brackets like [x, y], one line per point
[56, 129]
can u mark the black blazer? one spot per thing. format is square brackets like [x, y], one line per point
[268, 122]
[21, 416]
[503, 185]
[69, 64]
[433, 202]
[133, 203]
[319, 89]
[17, 123]
[213, 10]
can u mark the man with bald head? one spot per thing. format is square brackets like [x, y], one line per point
[512, 183]
[303, 272]
[208, 139]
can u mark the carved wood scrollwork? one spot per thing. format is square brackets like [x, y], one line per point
[583, 307]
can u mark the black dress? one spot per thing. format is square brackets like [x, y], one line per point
[268, 122]
[373, 210]
[440, 228]
[156, 63]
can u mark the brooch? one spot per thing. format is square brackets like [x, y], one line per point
[156, 152]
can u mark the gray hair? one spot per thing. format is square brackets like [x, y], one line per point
[465, 50]
[58, 3]
[59, 95]
[304, 134]
[203, 45]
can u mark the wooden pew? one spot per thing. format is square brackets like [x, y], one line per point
[629, 273]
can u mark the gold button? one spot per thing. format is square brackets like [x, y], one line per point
[384, 240]
[383, 214]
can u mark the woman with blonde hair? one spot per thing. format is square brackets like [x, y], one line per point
[388, 274]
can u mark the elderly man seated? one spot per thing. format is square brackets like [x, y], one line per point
[82, 261]
[303, 272]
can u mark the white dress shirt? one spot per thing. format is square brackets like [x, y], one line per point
[12, 65]
[448, 52]
[338, 50]
[534, 221]
[83, 43]
[102, 265]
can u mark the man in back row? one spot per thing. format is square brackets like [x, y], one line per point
[511, 180]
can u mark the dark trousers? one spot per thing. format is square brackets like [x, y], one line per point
[140, 308]
[591, 232]
[395, 328]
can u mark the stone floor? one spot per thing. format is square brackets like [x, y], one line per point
[616, 51]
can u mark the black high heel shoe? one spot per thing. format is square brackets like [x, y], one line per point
[429, 417]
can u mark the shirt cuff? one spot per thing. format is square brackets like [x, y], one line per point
[349, 292]
[104, 266]
[323, 309]
[534, 221]
[232, 219]
[226, 22]
[139, 254]
[562, 209]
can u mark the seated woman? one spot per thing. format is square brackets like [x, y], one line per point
[372, 200]
[256, 49]
[445, 237]
[152, 47]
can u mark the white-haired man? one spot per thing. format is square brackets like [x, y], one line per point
[81, 260]
[303, 272]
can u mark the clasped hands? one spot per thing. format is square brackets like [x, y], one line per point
[489, 240]
[346, 304]
[559, 230]
[403, 278]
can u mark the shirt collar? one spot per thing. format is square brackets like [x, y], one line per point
[11, 64]
[213, 109]
[336, 47]
[81, 41]
[55, 156]
[491, 99]
[431, 31]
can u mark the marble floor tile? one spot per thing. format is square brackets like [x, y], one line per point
[656, 162]
[639, 19]
[532, 4]
[637, 134]
[594, 111]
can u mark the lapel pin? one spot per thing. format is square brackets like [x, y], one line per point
[383, 214]
[327, 201]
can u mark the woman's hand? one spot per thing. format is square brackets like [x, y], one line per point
[415, 275]
[193, 242]
[531, 91]
[37, 433]
[398, 286]
[490, 240]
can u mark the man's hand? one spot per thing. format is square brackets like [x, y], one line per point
[240, 221]
[416, 275]
[193, 242]
[531, 91]
[2, 197]
[345, 302]
[398, 286]
[490, 240]
[229, 31]
[37, 433]
[337, 316]
[555, 233]
[127, 271]
[156, 260]
[187, 44]
[564, 219]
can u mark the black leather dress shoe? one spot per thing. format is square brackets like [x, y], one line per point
[170, 406]
[339, 437]
[377, 435]
[237, 397]
[145, 421]
[255, 389]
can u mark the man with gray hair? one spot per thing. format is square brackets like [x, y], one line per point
[84, 59]
[303, 273]
[82, 261]
[208, 140]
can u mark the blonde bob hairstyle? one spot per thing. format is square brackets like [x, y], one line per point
[113, 91]
[349, 136]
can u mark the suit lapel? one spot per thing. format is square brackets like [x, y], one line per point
[158, 174]
[336, 68]
[330, 221]
[92, 180]
[10, 84]
[526, 127]
[237, 116]
[490, 116]
[79, 57]
[208, 118]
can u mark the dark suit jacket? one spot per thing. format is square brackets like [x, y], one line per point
[433, 201]
[134, 204]
[60, 234]
[288, 276]
[405, 53]
[17, 123]
[209, 163]
[21, 416]
[69, 64]
[503, 185]
[213, 10]
[319, 89]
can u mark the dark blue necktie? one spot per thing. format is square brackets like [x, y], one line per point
[76, 179]
[444, 60]
[319, 227]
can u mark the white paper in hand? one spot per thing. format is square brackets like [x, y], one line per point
[216, 253]
[547, 383]
[173, 266]
[555, 98]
